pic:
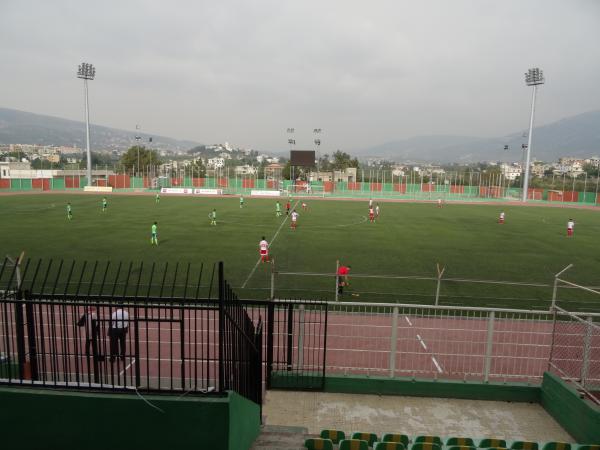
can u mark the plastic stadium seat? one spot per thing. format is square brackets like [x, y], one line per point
[318, 444]
[429, 440]
[489, 443]
[463, 442]
[389, 446]
[371, 438]
[335, 435]
[525, 445]
[353, 444]
[425, 446]
[556, 446]
[393, 437]
[460, 447]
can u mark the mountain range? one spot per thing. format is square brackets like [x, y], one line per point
[19, 127]
[577, 136]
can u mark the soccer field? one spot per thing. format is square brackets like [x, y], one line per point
[408, 239]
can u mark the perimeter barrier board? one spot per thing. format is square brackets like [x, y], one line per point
[4, 183]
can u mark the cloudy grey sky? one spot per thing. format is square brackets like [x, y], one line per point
[244, 71]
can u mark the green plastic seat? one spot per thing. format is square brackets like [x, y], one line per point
[389, 446]
[556, 446]
[460, 447]
[460, 441]
[429, 440]
[525, 445]
[589, 447]
[318, 444]
[334, 435]
[425, 446]
[371, 438]
[489, 443]
[394, 437]
[353, 444]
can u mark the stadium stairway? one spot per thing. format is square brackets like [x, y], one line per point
[274, 437]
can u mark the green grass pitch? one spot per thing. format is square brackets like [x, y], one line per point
[408, 239]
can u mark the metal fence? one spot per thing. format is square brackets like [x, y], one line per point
[437, 288]
[56, 333]
[186, 344]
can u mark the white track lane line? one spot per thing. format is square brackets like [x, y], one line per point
[270, 243]
[127, 368]
[422, 342]
[437, 365]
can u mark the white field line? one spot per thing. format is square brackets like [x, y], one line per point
[408, 320]
[270, 243]
[127, 368]
[437, 365]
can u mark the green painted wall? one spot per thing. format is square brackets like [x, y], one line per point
[579, 417]
[354, 384]
[49, 419]
[244, 422]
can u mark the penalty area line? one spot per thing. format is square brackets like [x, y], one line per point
[270, 243]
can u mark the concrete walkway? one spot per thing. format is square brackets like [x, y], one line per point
[412, 416]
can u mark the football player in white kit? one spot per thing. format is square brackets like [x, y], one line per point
[570, 226]
[263, 247]
[501, 218]
[294, 216]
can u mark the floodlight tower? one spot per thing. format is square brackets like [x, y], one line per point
[534, 77]
[87, 72]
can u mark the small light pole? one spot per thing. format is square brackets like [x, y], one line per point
[317, 142]
[87, 72]
[534, 77]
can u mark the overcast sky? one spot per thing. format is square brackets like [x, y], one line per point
[245, 71]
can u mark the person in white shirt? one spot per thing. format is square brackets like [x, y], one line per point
[263, 247]
[570, 226]
[377, 210]
[119, 324]
[501, 218]
[294, 216]
[439, 202]
[370, 203]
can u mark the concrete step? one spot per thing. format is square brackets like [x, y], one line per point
[274, 437]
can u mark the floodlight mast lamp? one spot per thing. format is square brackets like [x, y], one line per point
[534, 77]
[87, 72]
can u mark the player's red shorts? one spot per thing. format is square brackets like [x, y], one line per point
[264, 252]
[569, 231]
[371, 216]
[500, 220]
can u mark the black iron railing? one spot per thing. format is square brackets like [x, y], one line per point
[126, 327]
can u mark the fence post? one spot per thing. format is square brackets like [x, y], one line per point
[587, 344]
[221, 327]
[439, 283]
[488, 346]
[337, 281]
[300, 358]
[393, 341]
[555, 290]
[273, 279]
[290, 335]
[270, 327]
